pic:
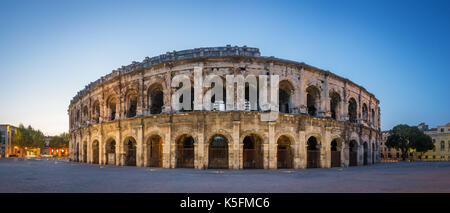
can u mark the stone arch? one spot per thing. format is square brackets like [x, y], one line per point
[352, 110]
[131, 103]
[336, 148]
[312, 100]
[112, 106]
[185, 151]
[258, 132]
[335, 102]
[154, 150]
[285, 96]
[96, 111]
[365, 153]
[365, 112]
[95, 151]
[85, 111]
[218, 152]
[130, 147]
[191, 97]
[84, 151]
[110, 151]
[353, 147]
[155, 97]
[313, 152]
[253, 154]
[285, 152]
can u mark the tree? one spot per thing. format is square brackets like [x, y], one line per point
[28, 137]
[60, 141]
[406, 137]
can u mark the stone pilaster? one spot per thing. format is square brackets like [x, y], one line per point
[272, 146]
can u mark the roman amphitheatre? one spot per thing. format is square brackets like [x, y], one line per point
[126, 118]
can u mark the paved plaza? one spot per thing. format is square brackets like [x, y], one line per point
[63, 176]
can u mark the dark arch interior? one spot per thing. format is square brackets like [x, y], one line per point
[352, 110]
[156, 100]
[95, 152]
[185, 152]
[313, 153]
[353, 152]
[253, 155]
[284, 153]
[130, 146]
[154, 151]
[334, 105]
[111, 152]
[132, 106]
[218, 152]
[335, 154]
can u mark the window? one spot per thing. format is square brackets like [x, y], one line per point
[442, 145]
[442, 130]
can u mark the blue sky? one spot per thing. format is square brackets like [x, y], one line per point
[398, 50]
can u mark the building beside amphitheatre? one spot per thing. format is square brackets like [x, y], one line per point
[126, 117]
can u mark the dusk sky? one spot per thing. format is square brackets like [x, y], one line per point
[397, 50]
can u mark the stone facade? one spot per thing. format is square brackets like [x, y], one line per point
[441, 141]
[126, 118]
[7, 133]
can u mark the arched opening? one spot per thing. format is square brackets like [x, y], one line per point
[352, 110]
[154, 151]
[78, 116]
[131, 103]
[77, 152]
[185, 151]
[155, 98]
[284, 153]
[85, 151]
[335, 100]
[247, 104]
[96, 112]
[110, 152]
[373, 116]
[335, 153]
[130, 151]
[365, 112]
[313, 153]
[85, 114]
[219, 105]
[253, 153]
[285, 97]
[312, 100]
[353, 153]
[112, 107]
[95, 152]
[373, 153]
[366, 153]
[218, 152]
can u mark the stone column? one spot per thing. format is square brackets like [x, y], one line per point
[296, 148]
[266, 154]
[199, 149]
[236, 151]
[344, 104]
[301, 94]
[140, 146]
[168, 148]
[325, 152]
[325, 102]
[302, 149]
[272, 147]
[345, 153]
[140, 105]
[167, 93]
